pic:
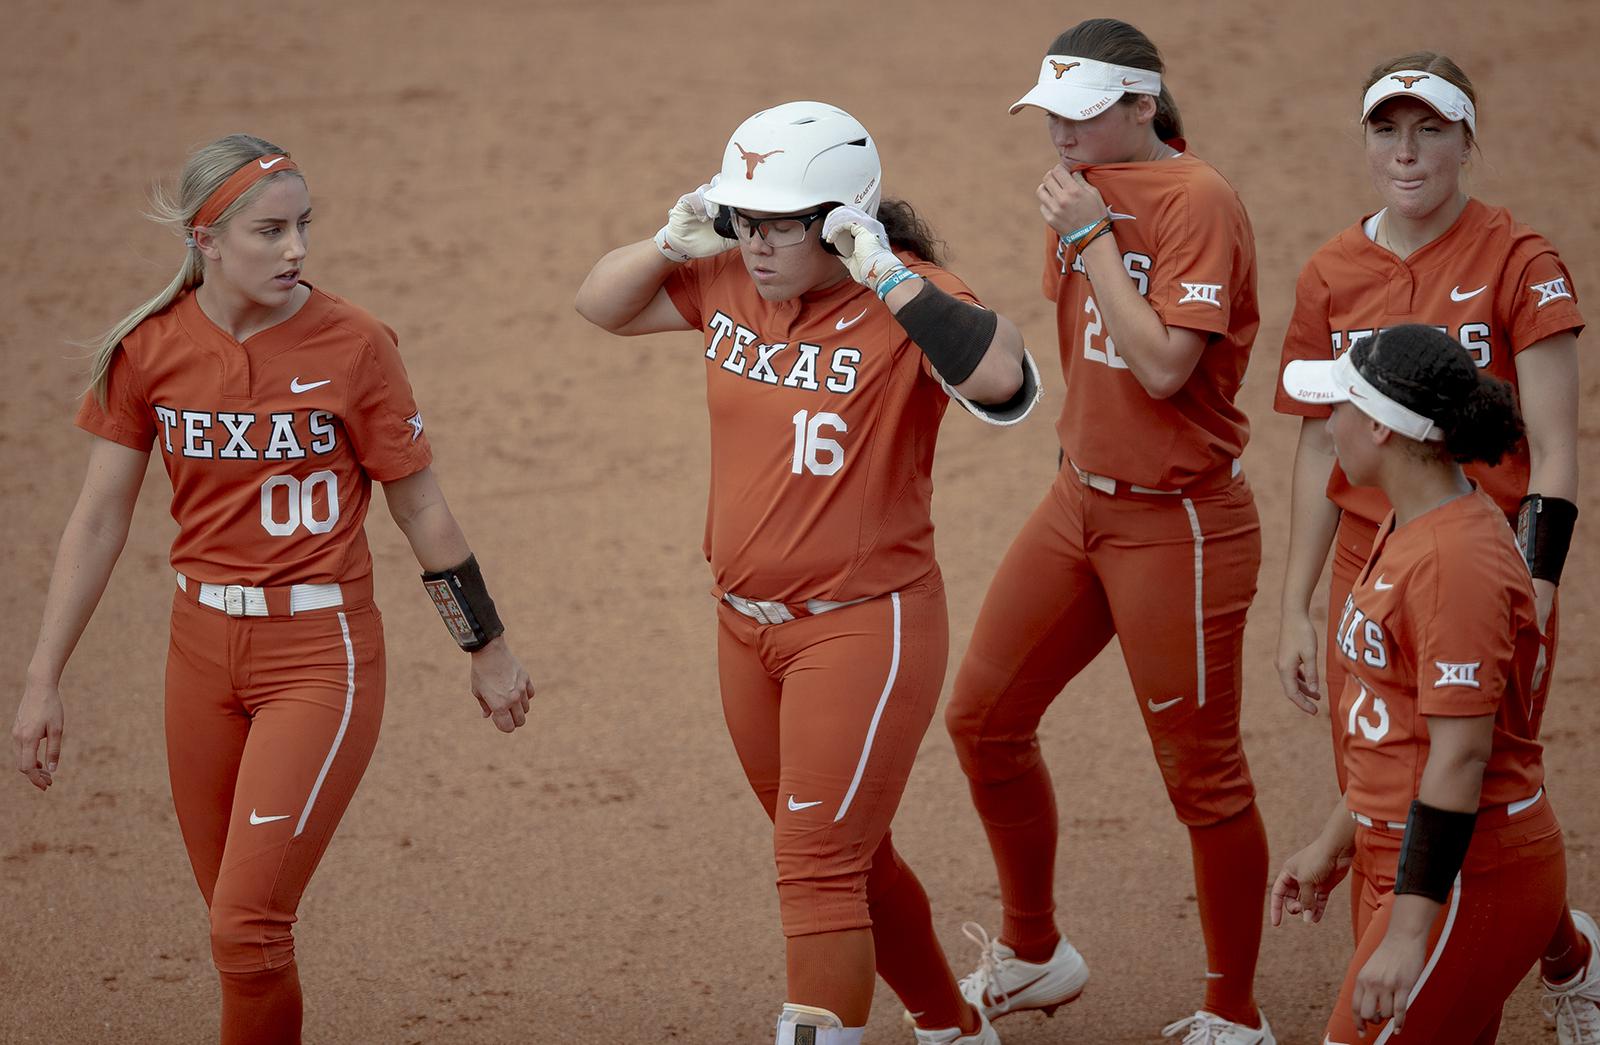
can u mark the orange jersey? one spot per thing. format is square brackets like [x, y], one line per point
[1441, 622]
[1491, 283]
[1186, 242]
[824, 415]
[271, 445]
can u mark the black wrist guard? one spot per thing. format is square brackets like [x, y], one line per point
[463, 602]
[954, 335]
[1432, 851]
[1544, 533]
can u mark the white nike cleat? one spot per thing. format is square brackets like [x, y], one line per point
[984, 1035]
[1004, 983]
[1206, 1029]
[1575, 1006]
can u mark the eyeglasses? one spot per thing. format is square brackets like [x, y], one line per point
[784, 231]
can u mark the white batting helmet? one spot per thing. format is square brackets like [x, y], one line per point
[796, 156]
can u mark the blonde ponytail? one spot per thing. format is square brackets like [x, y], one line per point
[207, 168]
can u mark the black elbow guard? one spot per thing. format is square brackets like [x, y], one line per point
[954, 335]
[1544, 534]
[463, 602]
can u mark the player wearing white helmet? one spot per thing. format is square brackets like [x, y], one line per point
[833, 341]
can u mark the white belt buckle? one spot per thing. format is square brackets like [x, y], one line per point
[233, 600]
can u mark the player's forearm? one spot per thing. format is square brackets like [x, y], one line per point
[1313, 519]
[1458, 752]
[420, 510]
[90, 547]
[1158, 361]
[621, 284]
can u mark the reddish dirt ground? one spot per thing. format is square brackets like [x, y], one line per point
[604, 876]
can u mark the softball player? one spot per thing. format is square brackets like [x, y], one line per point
[833, 342]
[1433, 255]
[1150, 261]
[273, 406]
[1457, 862]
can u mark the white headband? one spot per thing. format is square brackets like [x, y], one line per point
[1329, 381]
[1080, 88]
[1439, 94]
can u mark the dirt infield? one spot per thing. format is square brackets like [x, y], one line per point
[604, 875]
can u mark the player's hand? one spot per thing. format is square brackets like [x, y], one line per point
[1307, 880]
[689, 231]
[1068, 202]
[1384, 983]
[39, 718]
[1297, 661]
[863, 242]
[501, 685]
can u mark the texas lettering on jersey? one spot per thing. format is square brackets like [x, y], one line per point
[286, 436]
[741, 353]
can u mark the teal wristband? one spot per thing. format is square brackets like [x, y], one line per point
[1074, 237]
[894, 279]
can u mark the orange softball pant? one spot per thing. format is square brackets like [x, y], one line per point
[1352, 546]
[1171, 576]
[826, 713]
[1489, 933]
[270, 722]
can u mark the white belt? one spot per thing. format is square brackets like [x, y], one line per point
[1512, 809]
[238, 600]
[777, 612]
[1106, 484]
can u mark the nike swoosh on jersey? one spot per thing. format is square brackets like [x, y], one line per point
[1114, 216]
[254, 819]
[1457, 295]
[843, 323]
[1164, 705]
[1378, 584]
[795, 807]
[296, 387]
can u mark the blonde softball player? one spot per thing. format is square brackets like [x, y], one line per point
[1149, 533]
[273, 406]
[1434, 255]
[833, 341]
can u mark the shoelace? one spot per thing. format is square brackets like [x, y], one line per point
[1579, 1015]
[1202, 1027]
[988, 974]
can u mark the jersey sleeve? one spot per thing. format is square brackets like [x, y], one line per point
[1307, 337]
[382, 418]
[127, 417]
[1053, 250]
[1023, 402]
[686, 286]
[1465, 634]
[1198, 241]
[1540, 299]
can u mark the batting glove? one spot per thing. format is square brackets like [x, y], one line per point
[688, 232]
[862, 241]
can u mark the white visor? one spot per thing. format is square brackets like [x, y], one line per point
[1325, 382]
[1082, 88]
[1439, 94]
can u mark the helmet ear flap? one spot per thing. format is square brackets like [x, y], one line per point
[723, 223]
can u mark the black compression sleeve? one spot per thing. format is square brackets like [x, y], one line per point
[1433, 850]
[954, 335]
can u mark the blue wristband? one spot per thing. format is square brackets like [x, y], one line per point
[1073, 237]
[894, 279]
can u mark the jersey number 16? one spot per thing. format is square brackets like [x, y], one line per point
[813, 452]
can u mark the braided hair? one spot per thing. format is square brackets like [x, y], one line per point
[1429, 372]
